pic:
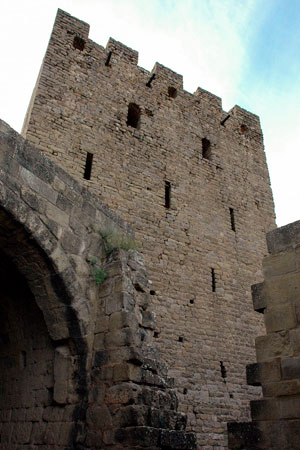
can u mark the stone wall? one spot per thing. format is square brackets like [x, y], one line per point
[27, 359]
[193, 182]
[79, 368]
[276, 417]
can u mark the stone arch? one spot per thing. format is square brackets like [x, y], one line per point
[49, 231]
[46, 218]
[29, 251]
[38, 251]
[42, 348]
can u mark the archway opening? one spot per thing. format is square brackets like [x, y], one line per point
[27, 360]
[42, 368]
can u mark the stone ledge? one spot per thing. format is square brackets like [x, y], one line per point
[284, 237]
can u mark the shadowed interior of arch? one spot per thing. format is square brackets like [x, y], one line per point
[26, 349]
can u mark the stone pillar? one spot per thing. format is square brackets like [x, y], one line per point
[132, 401]
[276, 417]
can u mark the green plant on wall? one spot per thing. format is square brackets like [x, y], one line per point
[114, 240]
[99, 272]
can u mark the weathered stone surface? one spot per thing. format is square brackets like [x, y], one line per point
[243, 435]
[279, 264]
[290, 368]
[265, 409]
[87, 327]
[99, 417]
[62, 375]
[258, 298]
[181, 142]
[177, 440]
[284, 238]
[263, 372]
[280, 389]
[273, 345]
[289, 407]
[282, 318]
[276, 417]
[295, 341]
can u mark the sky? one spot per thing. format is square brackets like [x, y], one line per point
[245, 51]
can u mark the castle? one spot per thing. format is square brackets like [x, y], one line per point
[124, 146]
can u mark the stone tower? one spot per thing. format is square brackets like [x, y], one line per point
[192, 180]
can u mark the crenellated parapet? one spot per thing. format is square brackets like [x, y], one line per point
[70, 39]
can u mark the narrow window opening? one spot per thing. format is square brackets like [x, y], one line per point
[152, 292]
[223, 371]
[243, 129]
[156, 334]
[167, 194]
[232, 219]
[213, 280]
[108, 58]
[180, 339]
[148, 84]
[224, 120]
[23, 359]
[185, 391]
[88, 166]
[172, 92]
[134, 115]
[192, 302]
[78, 43]
[206, 150]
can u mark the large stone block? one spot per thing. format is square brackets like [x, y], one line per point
[123, 393]
[121, 337]
[282, 388]
[295, 341]
[283, 317]
[290, 368]
[122, 319]
[62, 372]
[273, 345]
[144, 436]
[283, 238]
[119, 301]
[127, 372]
[21, 433]
[282, 289]
[178, 440]
[258, 297]
[279, 264]
[265, 410]
[243, 435]
[38, 433]
[132, 415]
[289, 407]
[263, 372]
[99, 417]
